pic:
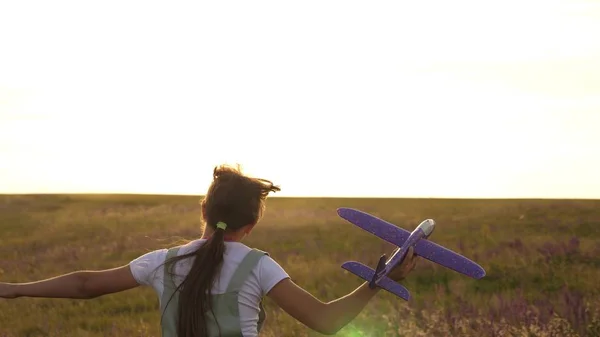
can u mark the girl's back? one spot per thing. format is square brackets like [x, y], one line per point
[149, 270]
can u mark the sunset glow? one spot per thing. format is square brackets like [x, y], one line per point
[337, 98]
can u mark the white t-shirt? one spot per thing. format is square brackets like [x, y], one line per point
[265, 275]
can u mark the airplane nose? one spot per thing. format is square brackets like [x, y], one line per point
[428, 226]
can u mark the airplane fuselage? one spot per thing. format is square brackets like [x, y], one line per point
[424, 230]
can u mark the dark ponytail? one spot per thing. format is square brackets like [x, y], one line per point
[238, 201]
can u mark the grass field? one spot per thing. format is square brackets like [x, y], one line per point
[542, 260]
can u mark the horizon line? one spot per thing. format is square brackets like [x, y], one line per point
[302, 197]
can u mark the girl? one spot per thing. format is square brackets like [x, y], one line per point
[214, 285]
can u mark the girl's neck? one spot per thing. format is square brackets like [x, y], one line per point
[227, 238]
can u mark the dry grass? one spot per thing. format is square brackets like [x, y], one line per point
[542, 260]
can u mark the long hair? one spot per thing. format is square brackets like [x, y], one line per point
[237, 200]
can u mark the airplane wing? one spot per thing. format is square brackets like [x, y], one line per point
[424, 248]
[383, 229]
[449, 259]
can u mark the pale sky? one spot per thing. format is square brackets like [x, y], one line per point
[326, 98]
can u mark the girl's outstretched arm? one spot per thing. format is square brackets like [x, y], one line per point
[329, 318]
[79, 284]
[325, 318]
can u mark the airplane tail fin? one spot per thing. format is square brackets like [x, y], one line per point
[368, 274]
[380, 267]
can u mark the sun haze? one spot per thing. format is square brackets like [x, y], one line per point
[335, 98]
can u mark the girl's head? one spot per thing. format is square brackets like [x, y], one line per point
[233, 199]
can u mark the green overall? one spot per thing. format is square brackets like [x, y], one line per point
[225, 306]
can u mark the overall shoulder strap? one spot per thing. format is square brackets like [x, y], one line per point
[167, 278]
[169, 312]
[244, 269]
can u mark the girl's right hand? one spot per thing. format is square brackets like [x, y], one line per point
[403, 269]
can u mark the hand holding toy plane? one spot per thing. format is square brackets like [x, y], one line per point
[403, 239]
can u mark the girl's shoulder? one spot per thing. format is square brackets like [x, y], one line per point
[269, 273]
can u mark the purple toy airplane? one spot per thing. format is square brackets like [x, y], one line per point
[403, 239]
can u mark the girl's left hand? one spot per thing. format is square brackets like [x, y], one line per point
[7, 290]
[403, 269]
